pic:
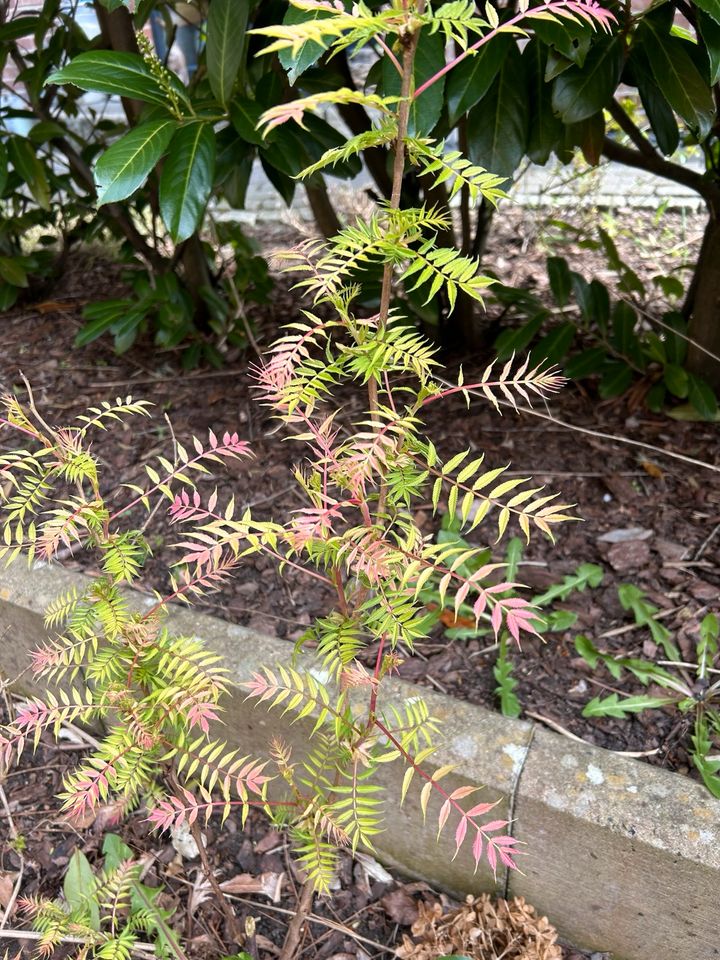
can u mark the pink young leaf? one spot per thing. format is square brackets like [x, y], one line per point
[444, 814]
[494, 825]
[460, 834]
[496, 619]
[481, 809]
[477, 848]
[491, 857]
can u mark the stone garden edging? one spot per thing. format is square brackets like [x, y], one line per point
[621, 856]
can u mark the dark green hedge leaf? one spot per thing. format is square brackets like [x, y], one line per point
[702, 397]
[710, 32]
[585, 364]
[497, 126]
[245, 116]
[29, 167]
[309, 53]
[676, 380]
[427, 108]
[187, 179]
[617, 377]
[109, 71]
[560, 279]
[711, 7]
[468, 83]
[546, 129]
[226, 37]
[126, 164]
[518, 340]
[676, 75]
[554, 346]
[580, 93]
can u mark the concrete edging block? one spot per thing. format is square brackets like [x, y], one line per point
[621, 856]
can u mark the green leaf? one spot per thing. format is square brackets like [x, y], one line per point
[571, 40]
[427, 108]
[100, 317]
[468, 83]
[309, 53]
[497, 126]
[79, 886]
[586, 575]
[110, 71]
[560, 279]
[676, 75]
[187, 179]
[554, 345]
[624, 338]
[579, 93]
[546, 128]
[702, 397]
[3, 167]
[585, 364]
[29, 167]
[8, 295]
[711, 7]
[614, 706]
[658, 110]
[516, 341]
[12, 271]
[245, 116]
[676, 380]
[226, 38]
[616, 379]
[126, 164]
[115, 851]
[18, 27]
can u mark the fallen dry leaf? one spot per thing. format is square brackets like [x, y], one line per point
[400, 907]
[271, 839]
[268, 884]
[7, 885]
[481, 929]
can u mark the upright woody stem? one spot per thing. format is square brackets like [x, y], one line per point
[410, 42]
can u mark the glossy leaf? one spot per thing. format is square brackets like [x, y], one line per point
[546, 129]
[676, 75]
[30, 169]
[579, 93]
[468, 83]
[226, 39]
[187, 179]
[427, 108]
[126, 164]
[702, 397]
[711, 7]
[709, 29]
[498, 125]
[110, 71]
[560, 279]
[309, 52]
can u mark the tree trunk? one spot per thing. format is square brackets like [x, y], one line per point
[703, 307]
[326, 219]
[118, 33]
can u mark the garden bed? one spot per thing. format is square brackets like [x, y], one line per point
[672, 506]
[619, 854]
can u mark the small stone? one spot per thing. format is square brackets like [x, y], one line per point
[633, 555]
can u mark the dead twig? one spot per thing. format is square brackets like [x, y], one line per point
[295, 930]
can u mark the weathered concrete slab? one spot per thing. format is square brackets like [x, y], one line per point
[631, 850]
[620, 855]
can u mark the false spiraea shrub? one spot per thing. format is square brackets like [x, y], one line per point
[361, 484]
